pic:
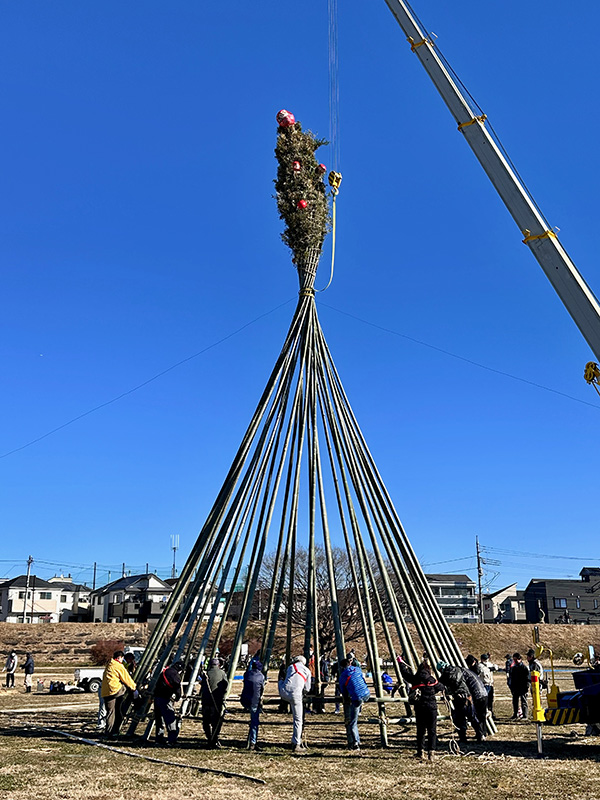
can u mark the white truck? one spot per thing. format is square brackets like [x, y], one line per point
[90, 678]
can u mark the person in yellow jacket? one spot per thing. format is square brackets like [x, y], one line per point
[115, 680]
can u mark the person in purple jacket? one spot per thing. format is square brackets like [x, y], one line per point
[354, 691]
[251, 697]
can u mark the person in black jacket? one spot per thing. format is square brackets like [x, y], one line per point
[166, 693]
[479, 697]
[29, 667]
[425, 685]
[251, 697]
[453, 680]
[519, 685]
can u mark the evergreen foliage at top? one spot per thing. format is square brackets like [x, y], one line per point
[305, 227]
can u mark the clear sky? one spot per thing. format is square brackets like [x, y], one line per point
[138, 229]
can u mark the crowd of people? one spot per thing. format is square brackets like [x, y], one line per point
[468, 690]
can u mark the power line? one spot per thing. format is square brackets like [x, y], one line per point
[502, 551]
[144, 383]
[461, 358]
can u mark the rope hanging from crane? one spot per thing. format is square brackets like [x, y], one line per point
[335, 177]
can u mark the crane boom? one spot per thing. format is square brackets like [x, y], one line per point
[543, 242]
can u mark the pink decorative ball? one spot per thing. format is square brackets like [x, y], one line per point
[296, 166]
[321, 169]
[302, 203]
[285, 118]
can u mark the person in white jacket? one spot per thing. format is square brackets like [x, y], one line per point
[10, 668]
[292, 689]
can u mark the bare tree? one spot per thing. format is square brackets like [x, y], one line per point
[348, 606]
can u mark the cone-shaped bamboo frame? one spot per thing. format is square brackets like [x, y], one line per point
[303, 444]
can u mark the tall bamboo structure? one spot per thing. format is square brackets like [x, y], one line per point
[303, 476]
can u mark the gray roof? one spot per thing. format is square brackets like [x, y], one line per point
[441, 578]
[129, 580]
[70, 586]
[34, 582]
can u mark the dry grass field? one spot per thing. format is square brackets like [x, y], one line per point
[37, 764]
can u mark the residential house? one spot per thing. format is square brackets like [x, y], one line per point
[32, 599]
[564, 600]
[505, 605]
[456, 596]
[132, 598]
[74, 603]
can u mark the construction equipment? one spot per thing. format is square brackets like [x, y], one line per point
[580, 705]
[538, 235]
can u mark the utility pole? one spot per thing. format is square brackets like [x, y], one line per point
[479, 577]
[174, 548]
[94, 580]
[123, 575]
[32, 596]
[29, 563]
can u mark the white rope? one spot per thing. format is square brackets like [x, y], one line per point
[334, 93]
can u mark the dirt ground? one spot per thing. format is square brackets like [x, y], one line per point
[35, 763]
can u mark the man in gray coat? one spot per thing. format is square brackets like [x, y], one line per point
[213, 691]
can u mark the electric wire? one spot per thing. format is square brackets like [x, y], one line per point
[144, 383]
[460, 358]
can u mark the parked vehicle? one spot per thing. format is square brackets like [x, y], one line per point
[90, 678]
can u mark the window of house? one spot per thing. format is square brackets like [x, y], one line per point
[63, 598]
[560, 602]
[21, 595]
[595, 604]
[578, 602]
[117, 598]
[45, 595]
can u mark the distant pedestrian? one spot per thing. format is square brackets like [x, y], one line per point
[29, 668]
[10, 668]
[535, 665]
[292, 689]
[129, 662]
[166, 693]
[115, 681]
[387, 682]
[354, 692]
[519, 686]
[251, 700]
[335, 674]
[507, 666]
[283, 707]
[213, 689]
[423, 687]
[486, 670]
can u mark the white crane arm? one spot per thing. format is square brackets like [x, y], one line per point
[543, 242]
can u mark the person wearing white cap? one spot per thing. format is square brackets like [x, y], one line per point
[292, 689]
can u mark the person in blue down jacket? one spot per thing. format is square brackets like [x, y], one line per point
[252, 692]
[354, 691]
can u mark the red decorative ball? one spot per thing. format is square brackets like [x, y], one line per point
[285, 118]
[321, 169]
[302, 203]
[296, 166]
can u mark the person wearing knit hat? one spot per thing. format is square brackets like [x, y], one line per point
[292, 689]
[213, 690]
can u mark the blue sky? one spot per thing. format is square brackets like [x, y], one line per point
[138, 229]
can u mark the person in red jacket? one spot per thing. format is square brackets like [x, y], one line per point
[166, 693]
